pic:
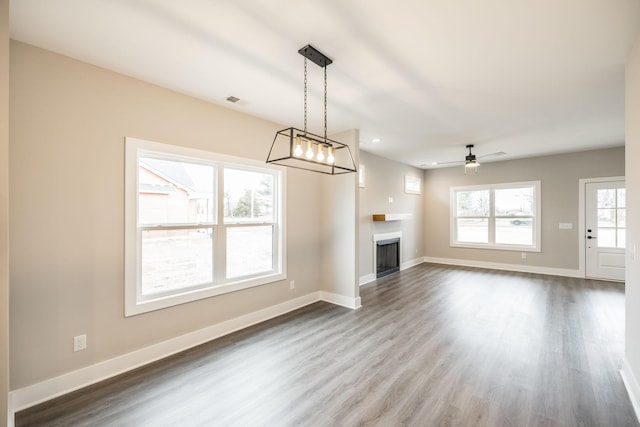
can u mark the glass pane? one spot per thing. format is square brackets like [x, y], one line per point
[514, 201]
[176, 259]
[173, 192]
[606, 237]
[622, 198]
[607, 198]
[249, 250]
[517, 231]
[248, 196]
[606, 217]
[622, 238]
[473, 230]
[622, 217]
[473, 203]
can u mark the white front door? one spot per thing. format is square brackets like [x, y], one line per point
[605, 223]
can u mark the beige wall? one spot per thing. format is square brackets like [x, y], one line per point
[68, 123]
[4, 209]
[559, 177]
[632, 289]
[339, 229]
[384, 179]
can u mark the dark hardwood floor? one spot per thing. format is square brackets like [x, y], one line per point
[431, 346]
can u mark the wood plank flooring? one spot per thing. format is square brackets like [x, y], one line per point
[432, 346]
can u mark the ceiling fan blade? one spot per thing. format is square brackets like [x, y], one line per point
[459, 162]
[496, 154]
[449, 163]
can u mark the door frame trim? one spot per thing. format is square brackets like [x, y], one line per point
[582, 183]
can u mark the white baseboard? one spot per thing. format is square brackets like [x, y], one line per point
[411, 263]
[482, 264]
[507, 267]
[26, 397]
[367, 279]
[340, 300]
[631, 384]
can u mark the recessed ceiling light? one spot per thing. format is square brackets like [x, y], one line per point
[376, 140]
[434, 163]
[233, 99]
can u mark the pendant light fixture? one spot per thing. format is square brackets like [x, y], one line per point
[302, 149]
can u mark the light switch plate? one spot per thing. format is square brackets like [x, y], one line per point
[565, 226]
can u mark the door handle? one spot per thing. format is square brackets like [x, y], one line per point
[591, 237]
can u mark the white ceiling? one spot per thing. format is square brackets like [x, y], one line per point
[427, 77]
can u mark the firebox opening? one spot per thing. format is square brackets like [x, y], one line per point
[387, 257]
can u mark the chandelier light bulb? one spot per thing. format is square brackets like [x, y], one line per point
[309, 150]
[320, 154]
[298, 150]
[330, 157]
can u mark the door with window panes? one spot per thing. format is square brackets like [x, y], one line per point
[605, 226]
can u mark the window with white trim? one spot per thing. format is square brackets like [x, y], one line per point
[498, 216]
[198, 224]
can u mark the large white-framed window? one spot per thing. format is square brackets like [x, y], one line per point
[198, 224]
[497, 216]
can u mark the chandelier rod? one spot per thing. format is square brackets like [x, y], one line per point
[305, 95]
[325, 102]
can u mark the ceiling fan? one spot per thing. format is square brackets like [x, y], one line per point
[471, 160]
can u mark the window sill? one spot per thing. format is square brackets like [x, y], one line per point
[134, 307]
[496, 247]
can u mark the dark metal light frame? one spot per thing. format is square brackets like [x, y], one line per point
[287, 141]
[344, 162]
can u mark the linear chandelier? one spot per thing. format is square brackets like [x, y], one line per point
[302, 149]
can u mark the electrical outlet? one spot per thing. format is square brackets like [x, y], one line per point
[524, 255]
[292, 284]
[390, 199]
[79, 342]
